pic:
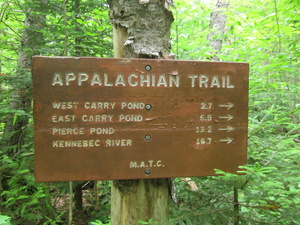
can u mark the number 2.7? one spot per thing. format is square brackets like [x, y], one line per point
[206, 105]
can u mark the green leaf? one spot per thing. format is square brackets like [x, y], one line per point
[23, 171]
[4, 220]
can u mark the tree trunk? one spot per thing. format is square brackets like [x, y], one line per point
[31, 44]
[217, 24]
[78, 38]
[141, 30]
[78, 197]
[78, 52]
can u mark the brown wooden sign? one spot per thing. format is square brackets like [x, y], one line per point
[104, 118]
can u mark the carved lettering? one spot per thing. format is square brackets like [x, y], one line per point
[99, 105]
[120, 80]
[216, 81]
[142, 80]
[146, 164]
[107, 80]
[133, 82]
[63, 118]
[101, 130]
[68, 131]
[132, 105]
[130, 118]
[64, 105]
[97, 118]
[57, 79]
[118, 143]
[76, 143]
[162, 81]
[96, 80]
[82, 77]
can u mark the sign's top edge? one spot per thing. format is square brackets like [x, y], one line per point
[137, 59]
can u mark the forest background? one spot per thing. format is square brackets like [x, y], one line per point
[264, 33]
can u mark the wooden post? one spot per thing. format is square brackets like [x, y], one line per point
[141, 30]
[139, 200]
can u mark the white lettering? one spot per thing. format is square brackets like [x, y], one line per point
[106, 83]
[133, 165]
[203, 79]
[153, 80]
[57, 80]
[174, 80]
[64, 105]
[63, 118]
[162, 81]
[76, 143]
[120, 80]
[96, 80]
[82, 77]
[215, 82]
[97, 118]
[70, 77]
[193, 77]
[99, 105]
[131, 83]
[223, 82]
[228, 84]
[132, 105]
[68, 131]
[133, 80]
[130, 118]
[158, 164]
[144, 164]
[144, 80]
[102, 130]
[150, 163]
[118, 143]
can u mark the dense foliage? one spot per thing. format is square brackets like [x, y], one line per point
[266, 35]
[263, 33]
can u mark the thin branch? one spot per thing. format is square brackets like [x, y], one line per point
[278, 27]
[236, 206]
[16, 33]
[66, 29]
[70, 203]
[22, 38]
[5, 7]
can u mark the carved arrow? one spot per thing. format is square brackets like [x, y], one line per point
[227, 140]
[228, 117]
[228, 105]
[228, 128]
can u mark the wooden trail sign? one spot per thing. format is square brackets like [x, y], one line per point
[108, 118]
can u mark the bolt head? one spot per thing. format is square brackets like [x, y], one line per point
[148, 67]
[148, 107]
[147, 171]
[147, 137]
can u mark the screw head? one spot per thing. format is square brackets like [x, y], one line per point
[147, 137]
[147, 171]
[148, 107]
[148, 67]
